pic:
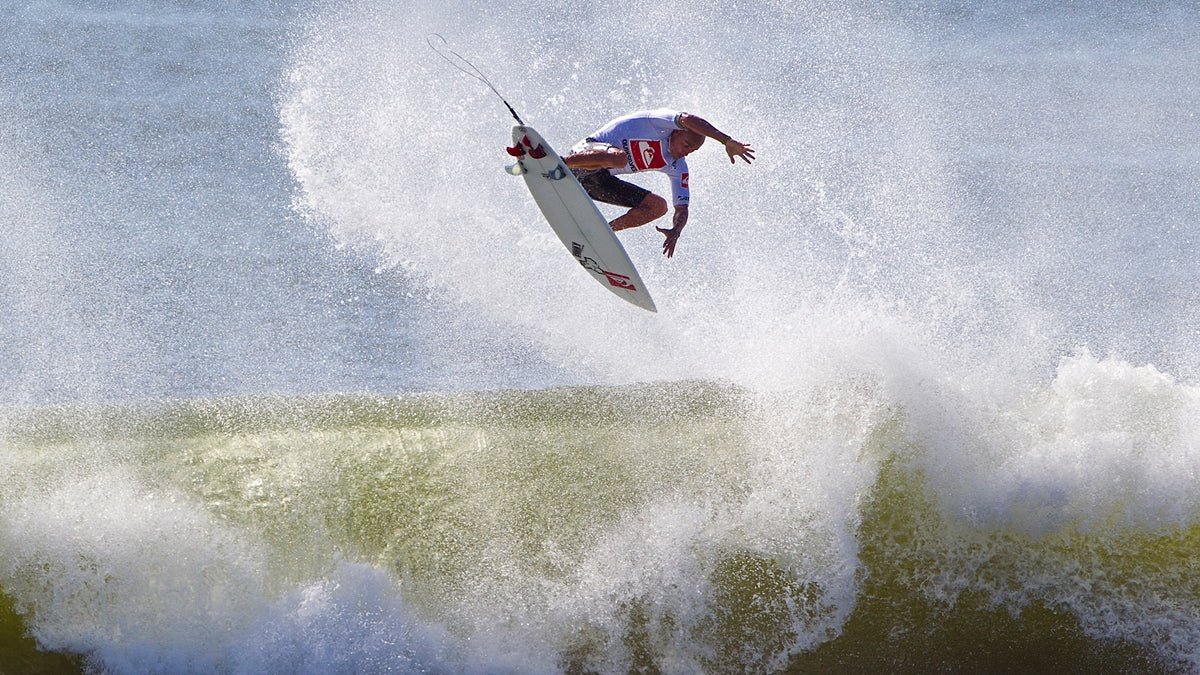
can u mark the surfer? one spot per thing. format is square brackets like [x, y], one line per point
[653, 140]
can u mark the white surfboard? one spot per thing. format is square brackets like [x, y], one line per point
[575, 219]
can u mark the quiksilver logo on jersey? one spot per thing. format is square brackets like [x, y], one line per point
[647, 155]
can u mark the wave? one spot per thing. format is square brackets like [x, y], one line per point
[685, 527]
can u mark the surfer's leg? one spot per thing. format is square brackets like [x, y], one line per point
[644, 206]
[651, 208]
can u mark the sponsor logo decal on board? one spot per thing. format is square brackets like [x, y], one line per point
[619, 280]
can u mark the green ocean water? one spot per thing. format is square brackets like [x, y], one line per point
[598, 529]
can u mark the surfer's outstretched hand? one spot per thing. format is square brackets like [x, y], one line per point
[735, 149]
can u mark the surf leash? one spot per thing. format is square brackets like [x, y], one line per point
[467, 67]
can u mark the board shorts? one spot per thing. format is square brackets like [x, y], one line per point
[602, 186]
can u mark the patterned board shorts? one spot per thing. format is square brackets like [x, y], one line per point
[602, 186]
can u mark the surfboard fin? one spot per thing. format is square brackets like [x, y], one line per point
[516, 169]
[518, 150]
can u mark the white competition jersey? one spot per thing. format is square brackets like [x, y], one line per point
[645, 137]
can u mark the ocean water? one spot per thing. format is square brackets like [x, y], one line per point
[295, 379]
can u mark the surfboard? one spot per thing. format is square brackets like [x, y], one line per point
[575, 218]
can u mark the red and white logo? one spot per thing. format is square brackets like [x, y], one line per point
[647, 155]
[619, 280]
[683, 181]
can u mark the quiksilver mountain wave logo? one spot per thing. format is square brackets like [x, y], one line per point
[647, 155]
[589, 264]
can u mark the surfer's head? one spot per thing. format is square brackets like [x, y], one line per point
[684, 142]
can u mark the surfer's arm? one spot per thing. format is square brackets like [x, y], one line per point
[672, 235]
[702, 126]
[596, 158]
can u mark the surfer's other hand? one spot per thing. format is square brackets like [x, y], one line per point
[672, 236]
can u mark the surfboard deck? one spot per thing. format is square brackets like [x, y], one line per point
[575, 218]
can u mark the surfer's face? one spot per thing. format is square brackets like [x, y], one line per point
[684, 142]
